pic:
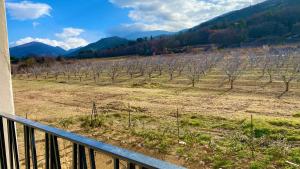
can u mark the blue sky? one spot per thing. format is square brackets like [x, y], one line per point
[73, 23]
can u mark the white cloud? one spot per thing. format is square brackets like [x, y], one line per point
[69, 32]
[174, 15]
[42, 40]
[68, 39]
[27, 10]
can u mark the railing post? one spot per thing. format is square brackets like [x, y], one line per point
[3, 160]
[116, 163]
[75, 156]
[47, 152]
[13, 149]
[92, 159]
[6, 95]
[27, 147]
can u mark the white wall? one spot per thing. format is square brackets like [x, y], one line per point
[6, 94]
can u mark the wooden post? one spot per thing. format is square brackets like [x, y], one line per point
[6, 94]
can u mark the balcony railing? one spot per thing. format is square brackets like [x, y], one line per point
[52, 152]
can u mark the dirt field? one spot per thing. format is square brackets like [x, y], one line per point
[214, 122]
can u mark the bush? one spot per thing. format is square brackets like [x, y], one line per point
[88, 122]
[65, 123]
[260, 132]
[297, 115]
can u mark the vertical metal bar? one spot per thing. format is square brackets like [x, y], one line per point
[116, 163]
[82, 158]
[75, 154]
[56, 152]
[52, 158]
[33, 148]
[3, 161]
[15, 145]
[47, 151]
[10, 144]
[80, 163]
[92, 159]
[130, 166]
[26, 148]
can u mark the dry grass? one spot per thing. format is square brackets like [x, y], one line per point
[209, 109]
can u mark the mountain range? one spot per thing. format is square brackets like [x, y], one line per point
[103, 44]
[272, 21]
[148, 34]
[36, 49]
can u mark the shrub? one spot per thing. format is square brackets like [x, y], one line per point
[260, 132]
[297, 115]
[65, 123]
[88, 122]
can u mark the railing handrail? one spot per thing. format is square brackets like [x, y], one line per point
[111, 150]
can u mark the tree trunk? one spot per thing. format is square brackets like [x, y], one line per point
[270, 78]
[231, 84]
[287, 86]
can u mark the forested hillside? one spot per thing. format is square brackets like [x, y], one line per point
[273, 21]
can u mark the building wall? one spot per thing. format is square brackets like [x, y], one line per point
[6, 94]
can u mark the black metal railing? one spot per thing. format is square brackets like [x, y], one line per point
[52, 153]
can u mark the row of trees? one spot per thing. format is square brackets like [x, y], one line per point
[282, 63]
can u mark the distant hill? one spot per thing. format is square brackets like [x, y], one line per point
[103, 44]
[36, 49]
[148, 34]
[68, 52]
[270, 22]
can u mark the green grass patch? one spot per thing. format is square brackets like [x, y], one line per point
[284, 123]
[67, 122]
[155, 140]
[297, 115]
[88, 122]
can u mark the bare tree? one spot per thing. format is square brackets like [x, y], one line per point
[68, 68]
[271, 66]
[56, 70]
[233, 67]
[199, 67]
[97, 69]
[171, 67]
[142, 67]
[114, 71]
[289, 69]
[181, 65]
[150, 67]
[194, 71]
[35, 71]
[252, 60]
[131, 67]
[160, 65]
